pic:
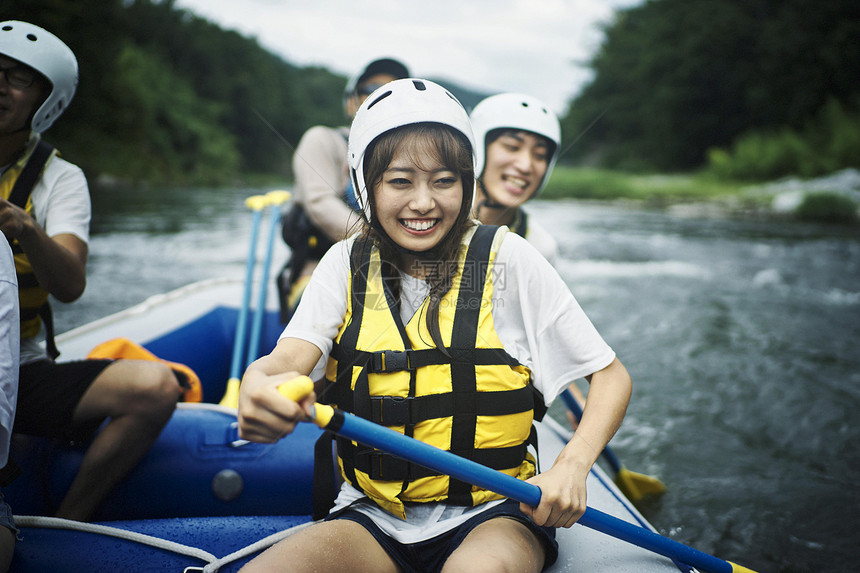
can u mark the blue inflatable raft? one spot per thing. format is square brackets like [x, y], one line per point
[204, 500]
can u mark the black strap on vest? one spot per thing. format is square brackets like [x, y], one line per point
[464, 419]
[324, 487]
[30, 174]
[20, 194]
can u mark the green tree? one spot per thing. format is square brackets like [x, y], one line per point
[674, 78]
[166, 96]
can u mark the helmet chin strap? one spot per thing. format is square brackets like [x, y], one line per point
[486, 201]
[490, 204]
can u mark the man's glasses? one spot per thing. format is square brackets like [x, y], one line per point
[367, 89]
[19, 76]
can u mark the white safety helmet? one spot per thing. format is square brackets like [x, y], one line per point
[398, 103]
[520, 112]
[48, 55]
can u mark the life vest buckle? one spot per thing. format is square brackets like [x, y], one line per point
[385, 467]
[391, 410]
[391, 361]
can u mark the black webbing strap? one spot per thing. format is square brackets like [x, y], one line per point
[464, 333]
[30, 174]
[387, 467]
[19, 195]
[48, 320]
[409, 410]
[339, 393]
[324, 488]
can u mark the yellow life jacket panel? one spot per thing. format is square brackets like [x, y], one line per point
[16, 185]
[473, 399]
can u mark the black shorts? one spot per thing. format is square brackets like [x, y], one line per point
[48, 393]
[430, 555]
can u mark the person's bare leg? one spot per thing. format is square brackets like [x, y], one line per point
[138, 397]
[500, 545]
[339, 545]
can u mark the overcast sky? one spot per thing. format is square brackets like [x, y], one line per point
[531, 46]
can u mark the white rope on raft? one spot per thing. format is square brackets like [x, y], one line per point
[213, 563]
[254, 547]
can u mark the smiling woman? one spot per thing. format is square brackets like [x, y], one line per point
[393, 309]
[518, 143]
[419, 175]
[416, 208]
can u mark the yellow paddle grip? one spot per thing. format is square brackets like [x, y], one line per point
[256, 202]
[739, 568]
[298, 388]
[279, 196]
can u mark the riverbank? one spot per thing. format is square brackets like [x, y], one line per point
[834, 198]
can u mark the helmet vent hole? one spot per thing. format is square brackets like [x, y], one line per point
[32, 37]
[7, 28]
[379, 99]
[419, 85]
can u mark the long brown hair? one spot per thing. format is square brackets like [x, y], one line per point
[423, 143]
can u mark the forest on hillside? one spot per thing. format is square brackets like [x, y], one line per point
[754, 88]
[166, 96]
[678, 84]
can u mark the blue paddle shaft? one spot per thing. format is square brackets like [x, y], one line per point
[239, 342]
[257, 326]
[418, 452]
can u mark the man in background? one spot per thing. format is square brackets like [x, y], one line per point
[45, 215]
[323, 213]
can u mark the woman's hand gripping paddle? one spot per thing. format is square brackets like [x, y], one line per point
[633, 485]
[412, 450]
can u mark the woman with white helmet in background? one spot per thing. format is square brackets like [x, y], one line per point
[476, 376]
[518, 140]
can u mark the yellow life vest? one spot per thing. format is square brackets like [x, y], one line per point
[477, 401]
[32, 297]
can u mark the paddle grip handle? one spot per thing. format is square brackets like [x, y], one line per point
[296, 388]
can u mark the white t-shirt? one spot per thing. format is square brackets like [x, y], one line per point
[536, 317]
[61, 204]
[542, 241]
[9, 349]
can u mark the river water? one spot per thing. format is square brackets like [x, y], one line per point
[741, 337]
